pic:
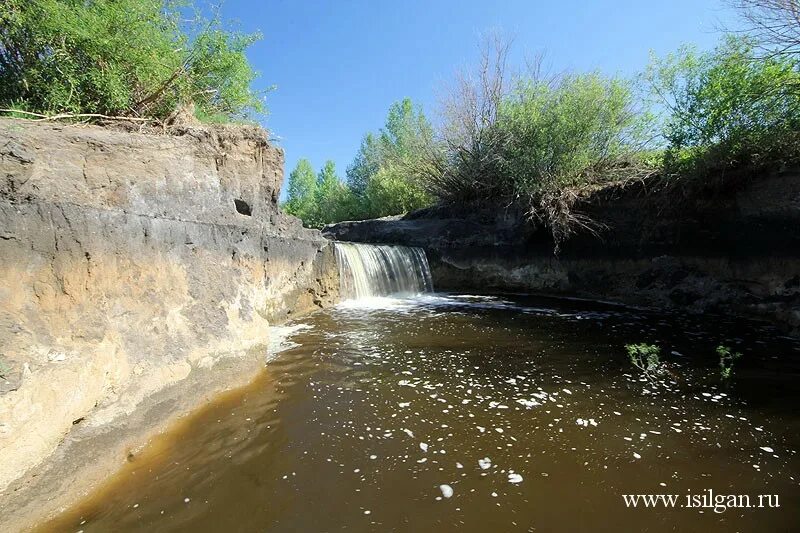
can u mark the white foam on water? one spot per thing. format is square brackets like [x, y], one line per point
[279, 338]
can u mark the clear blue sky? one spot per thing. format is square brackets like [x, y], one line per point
[338, 65]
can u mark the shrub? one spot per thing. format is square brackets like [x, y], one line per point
[727, 359]
[122, 57]
[645, 357]
[390, 192]
[536, 144]
[576, 132]
[465, 165]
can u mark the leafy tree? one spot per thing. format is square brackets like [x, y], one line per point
[382, 180]
[726, 108]
[302, 191]
[392, 157]
[321, 199]
[327, 180]
[328, 199]
[389, 193]
[365, 165]
[406, 133]
[724, 95]
[122, 57]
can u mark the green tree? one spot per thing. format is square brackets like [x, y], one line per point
[321, 199]
[327, 180]
[406, 134]
[302, 192]
[365, 165]
[122, 57]
[389, 193]
[327, 196]
[385, 176]
[726, 107]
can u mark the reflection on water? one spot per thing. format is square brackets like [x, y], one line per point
[476, 413]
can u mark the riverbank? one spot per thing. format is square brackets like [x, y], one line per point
[733, 250]
[141, 273]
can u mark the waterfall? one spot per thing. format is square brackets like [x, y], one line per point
[379, 270]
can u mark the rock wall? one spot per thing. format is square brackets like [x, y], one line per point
[139, 274]
[732, 251]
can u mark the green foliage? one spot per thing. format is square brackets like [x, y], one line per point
[302, 191]
[547, 140]
[122, 57]
[384, 175]
[331, 197]
[727, 359]
[645, 357]
[390, 193]
[382, 180]
[726, 108]
[540, 145]
[318, 200]
[365, 165]
[578, 132]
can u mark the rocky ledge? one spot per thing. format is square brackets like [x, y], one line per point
[732, 250]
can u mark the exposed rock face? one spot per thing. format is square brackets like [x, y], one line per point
[138, 274]
[737, 252]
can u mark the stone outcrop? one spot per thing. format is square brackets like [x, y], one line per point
[139, 274]
[734, 250]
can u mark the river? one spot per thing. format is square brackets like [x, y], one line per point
[457, 412]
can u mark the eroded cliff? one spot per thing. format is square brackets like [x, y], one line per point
[139, 274]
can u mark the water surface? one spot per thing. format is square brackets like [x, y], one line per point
[524, 411]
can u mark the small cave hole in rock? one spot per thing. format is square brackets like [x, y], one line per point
[243, 207]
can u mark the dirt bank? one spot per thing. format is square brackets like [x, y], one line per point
[139, 275]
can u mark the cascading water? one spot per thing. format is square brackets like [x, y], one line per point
[379, 270]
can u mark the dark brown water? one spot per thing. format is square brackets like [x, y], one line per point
[526, 409]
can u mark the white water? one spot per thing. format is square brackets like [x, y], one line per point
[369, 270]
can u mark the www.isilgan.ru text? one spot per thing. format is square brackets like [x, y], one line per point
[719, 503]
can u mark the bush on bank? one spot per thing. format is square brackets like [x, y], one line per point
[137, 58]
[726, 109]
